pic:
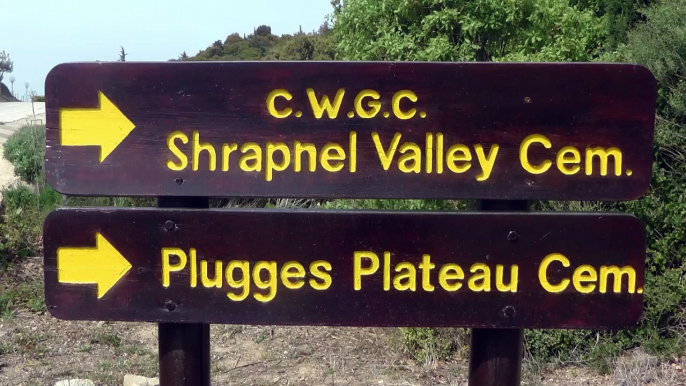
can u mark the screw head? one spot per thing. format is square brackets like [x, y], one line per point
[179, 181]
[169, 305]
[169, 225]
[509, 311]
[512, 236]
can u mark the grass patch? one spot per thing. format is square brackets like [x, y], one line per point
[28, 295]
[31, 344]
[105, 338]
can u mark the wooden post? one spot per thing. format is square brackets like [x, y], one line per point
[184, 348]
[495, 357]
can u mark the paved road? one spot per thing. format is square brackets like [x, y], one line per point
[14, 115]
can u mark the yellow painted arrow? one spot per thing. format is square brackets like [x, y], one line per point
[102, 265]
[104, 126]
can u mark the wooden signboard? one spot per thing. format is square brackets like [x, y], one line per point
[351, 129]
[504, 270]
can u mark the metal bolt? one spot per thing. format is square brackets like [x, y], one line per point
[512, 236]
[169, 305]
[509, 311]
[179, 181]
[169, 225]
[527, 100]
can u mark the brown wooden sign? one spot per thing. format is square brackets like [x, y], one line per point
[504, 270]
[351, 129]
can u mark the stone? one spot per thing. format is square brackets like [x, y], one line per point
[137, 380]
[75, 382]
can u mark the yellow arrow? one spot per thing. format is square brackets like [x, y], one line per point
[105, 126]
[102, 265]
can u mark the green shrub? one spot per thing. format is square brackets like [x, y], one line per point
[428, 345]
[25, 149]
[21, 230]
[24, 294]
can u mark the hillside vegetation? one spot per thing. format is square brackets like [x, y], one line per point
[263, 45]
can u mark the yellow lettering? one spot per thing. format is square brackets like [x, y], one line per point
[450, 272]
[353, 152]
[452, 157]
[358, 271]
[320, 269]
[271, 103]
[484, 276]
[397, 97]
[543, 273]
[287, 274]
[602, 155]
[386, 271]
[255, 157]
[226, 152]
[410, 162]
[429, 152]
[311, 155]
[617, 273]
[374, 106]
[319, 107]
[167, 267]
[183, 160]
[326, 156]
[243, 282]
[217, 280]
[524, 154]
[426, 266]
[582, 274]
[409, 274]
[194, 268]
[198, 147]
[563, 160]
[386, 156]
[514, 278]
[270, 165]
[269, 284]
[439, 153]
[486, 162]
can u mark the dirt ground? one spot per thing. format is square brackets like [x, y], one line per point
[37, 349]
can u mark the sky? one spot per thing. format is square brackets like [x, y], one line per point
[39, 34]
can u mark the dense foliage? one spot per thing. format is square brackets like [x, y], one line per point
[456, 30]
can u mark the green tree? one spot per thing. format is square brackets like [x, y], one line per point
[456, 30]
[263, 30]
[618, 17]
